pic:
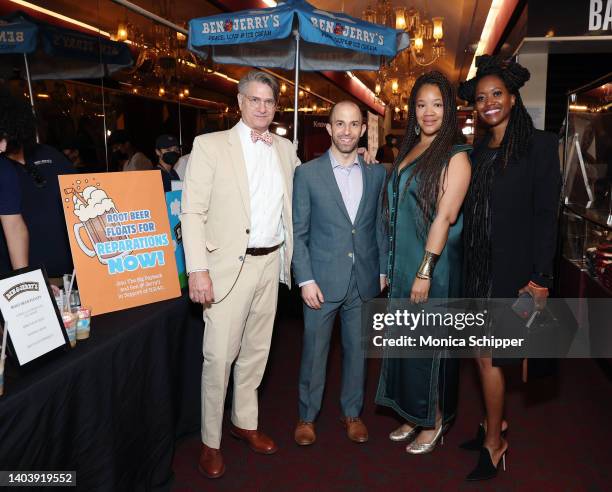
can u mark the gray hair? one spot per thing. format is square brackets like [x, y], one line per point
[262, 78]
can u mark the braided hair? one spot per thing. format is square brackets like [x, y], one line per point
[520, 125]
[433, 162]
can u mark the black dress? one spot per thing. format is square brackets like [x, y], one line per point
[522, 226]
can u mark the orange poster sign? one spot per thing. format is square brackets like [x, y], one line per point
[120, 239]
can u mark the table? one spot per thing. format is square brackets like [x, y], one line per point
[112, 407]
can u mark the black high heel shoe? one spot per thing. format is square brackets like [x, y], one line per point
[485, 469]
[476, 443]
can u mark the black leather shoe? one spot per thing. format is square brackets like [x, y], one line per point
[477, 442]
[485, 469]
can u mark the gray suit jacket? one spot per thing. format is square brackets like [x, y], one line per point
[325, 241]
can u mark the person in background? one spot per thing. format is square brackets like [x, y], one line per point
[510, 226]
[72, 149]
[389, 151]
[181, 165]
[168, 152]
[37, 167]
[13, 226]
[124, 156]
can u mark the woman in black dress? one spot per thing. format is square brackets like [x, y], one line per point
[510, 222]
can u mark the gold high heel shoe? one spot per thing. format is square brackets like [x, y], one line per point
[401, 435]
[427, 447]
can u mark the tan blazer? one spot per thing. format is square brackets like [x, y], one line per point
[216, 211]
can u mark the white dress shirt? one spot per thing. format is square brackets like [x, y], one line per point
[265, 189]
[181, 166]
[350, 183]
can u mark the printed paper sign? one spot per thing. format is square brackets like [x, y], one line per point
[28, 310]
[173, 202]
[120, 239]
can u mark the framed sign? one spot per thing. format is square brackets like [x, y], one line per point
[34, 323]
[120, 239]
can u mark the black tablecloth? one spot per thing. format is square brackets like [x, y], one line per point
[112, 407]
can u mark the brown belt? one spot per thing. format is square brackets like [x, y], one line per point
[262, 251]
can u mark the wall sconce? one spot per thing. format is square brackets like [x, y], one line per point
[122, 31]
[418, 41]
[394, 86]
[283, 88]
[438, 30]
[400, 18]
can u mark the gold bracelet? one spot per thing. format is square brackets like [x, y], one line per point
[428, 263]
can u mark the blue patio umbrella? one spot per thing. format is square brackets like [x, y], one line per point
[295, 35]
[51, 52]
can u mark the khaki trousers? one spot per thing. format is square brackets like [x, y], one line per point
[239, 328]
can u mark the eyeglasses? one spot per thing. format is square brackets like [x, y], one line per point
[255, 102]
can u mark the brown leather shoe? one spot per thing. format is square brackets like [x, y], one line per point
[211, 462]
[256, 440]
[304, 434]
[356, 430]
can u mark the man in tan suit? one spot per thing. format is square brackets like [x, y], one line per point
[237, 234]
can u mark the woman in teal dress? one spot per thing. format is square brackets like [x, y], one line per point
[422, 201]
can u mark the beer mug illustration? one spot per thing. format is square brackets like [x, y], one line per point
[92, 207]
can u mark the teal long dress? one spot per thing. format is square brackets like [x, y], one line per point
[413, 387]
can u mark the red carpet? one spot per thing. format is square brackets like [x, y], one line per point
[560, 436]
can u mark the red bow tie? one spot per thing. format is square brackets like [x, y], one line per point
[264, 137]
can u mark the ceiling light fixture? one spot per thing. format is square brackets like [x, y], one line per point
[486, 32]
[396, 77]
[62, 17]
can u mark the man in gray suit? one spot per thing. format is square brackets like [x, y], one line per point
[339, 261]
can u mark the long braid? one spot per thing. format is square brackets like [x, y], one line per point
[434, 160]
[477, 230]
[518, 132]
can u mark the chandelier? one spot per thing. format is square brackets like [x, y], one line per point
[396, 78]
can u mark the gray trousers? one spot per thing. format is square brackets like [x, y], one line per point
[318, 325]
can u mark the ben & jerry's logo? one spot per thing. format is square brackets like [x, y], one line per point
[19, 289]
[255, 22]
